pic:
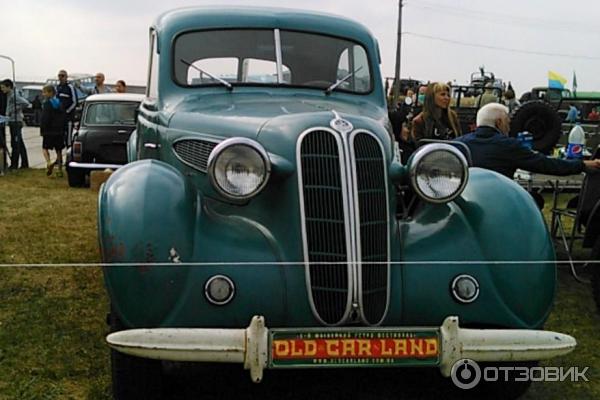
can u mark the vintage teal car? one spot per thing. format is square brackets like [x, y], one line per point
[264, 218]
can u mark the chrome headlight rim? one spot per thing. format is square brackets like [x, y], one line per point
[426, 150]
[238, 141]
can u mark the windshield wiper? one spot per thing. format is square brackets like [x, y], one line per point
[340, 81]
[216, 78]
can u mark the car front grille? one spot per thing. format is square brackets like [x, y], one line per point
[373, 226]
[325, 225]
[345, 225]
[194, 152]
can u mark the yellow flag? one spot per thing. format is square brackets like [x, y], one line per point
[556, 80]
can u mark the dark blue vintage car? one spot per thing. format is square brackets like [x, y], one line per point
[265, 219]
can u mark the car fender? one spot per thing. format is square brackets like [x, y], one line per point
[149, 213]
[146, 214]
[496, 222]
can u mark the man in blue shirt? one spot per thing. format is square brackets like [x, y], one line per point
[493, 149]
[573, 114]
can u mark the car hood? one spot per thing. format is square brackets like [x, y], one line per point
[249, 114]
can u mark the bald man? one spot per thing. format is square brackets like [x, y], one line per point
[99, 88]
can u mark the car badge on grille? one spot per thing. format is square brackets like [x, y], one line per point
[339, 124]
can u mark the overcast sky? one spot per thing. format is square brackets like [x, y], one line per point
[112, 36]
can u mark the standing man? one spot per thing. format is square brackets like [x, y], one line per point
[14, 116]
[99, 88]
[68, 100]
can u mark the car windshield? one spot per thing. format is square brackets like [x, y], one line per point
[114, 113]
[236, 56]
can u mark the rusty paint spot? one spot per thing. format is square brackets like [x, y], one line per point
[148, 257]
[149, 254]
[113, 251]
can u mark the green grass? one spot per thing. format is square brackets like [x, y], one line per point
[52, 319]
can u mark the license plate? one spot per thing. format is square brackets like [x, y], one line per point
[353, 348]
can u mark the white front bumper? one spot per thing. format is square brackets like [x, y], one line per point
[250, 346]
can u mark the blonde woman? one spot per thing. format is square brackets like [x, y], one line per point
[437, 120]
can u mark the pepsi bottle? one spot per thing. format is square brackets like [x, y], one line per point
[576, 142]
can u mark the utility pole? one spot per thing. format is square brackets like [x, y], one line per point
[396, 91]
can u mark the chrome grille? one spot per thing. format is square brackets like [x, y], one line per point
[371, 194]
[325, 225]
[194, 152]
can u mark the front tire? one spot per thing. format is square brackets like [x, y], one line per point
[133, 377]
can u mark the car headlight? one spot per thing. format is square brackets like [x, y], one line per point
[438, 172]
[239, 168]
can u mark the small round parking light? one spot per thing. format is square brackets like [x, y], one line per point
[465, 288]
[219, 290]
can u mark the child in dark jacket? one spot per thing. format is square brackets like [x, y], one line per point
[51, 128]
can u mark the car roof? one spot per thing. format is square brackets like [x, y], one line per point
[115, 97]
[223, 17]
[37, 87]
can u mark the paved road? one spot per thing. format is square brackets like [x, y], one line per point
[33, 143]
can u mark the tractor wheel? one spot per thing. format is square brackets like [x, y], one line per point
[539, 119]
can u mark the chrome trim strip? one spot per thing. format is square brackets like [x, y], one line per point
[278, 56]
[181, 139]
[235, 141]
[303, 225]
[350, 173]
[75, 164]
[427, 149]
[358, 241]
